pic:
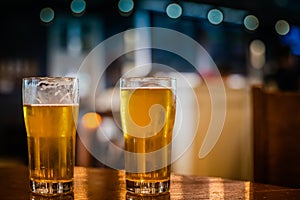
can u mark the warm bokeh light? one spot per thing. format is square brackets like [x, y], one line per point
[251, 22]
[257, 47]
[236, 81]
[47, 15]
[215, 16]
[174, 10]
[91, 120]
[257, 54]
[282, 27]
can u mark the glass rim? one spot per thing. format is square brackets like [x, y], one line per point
[148, 82]
[49, 78]
[146, 78]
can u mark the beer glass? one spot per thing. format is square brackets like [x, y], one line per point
[50, 108]
[148, 106]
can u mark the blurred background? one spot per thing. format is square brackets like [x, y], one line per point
[252, 42]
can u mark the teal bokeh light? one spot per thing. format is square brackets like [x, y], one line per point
[282, 27]
[215, 16]
[125, 6]
[47, 15]
[251, 22]
[78, 6]
[174, 10]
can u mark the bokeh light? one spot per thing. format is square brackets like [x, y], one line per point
[215, 16]
[257, 54]
[126, 6]
[236, 81]
[282, 27]
[257, 47]
[91, 120]
[78, 6]
[47, 15]
[174, 10]
[251, 22]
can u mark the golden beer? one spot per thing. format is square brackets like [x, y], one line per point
[147, 115]
[51, 133]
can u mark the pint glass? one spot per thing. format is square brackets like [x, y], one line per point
[148, 108]
[50, 108]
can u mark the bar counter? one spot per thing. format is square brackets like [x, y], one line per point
[100, 183]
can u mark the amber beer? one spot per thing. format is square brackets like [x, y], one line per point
[51, 142]
[147, 115]
[50, 108]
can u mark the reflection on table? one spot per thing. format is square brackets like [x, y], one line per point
[100, 183]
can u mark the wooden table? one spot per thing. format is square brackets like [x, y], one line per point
[101, 184]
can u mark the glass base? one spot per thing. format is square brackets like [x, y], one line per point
[160, 196]
[147, 188]
[51, 188]
[69, 196]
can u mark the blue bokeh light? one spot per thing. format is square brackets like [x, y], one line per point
[47, 15]
[174, 10]
[292, 39]
[215, 16]
[78, 6]
[126, 6]
[251, 22]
